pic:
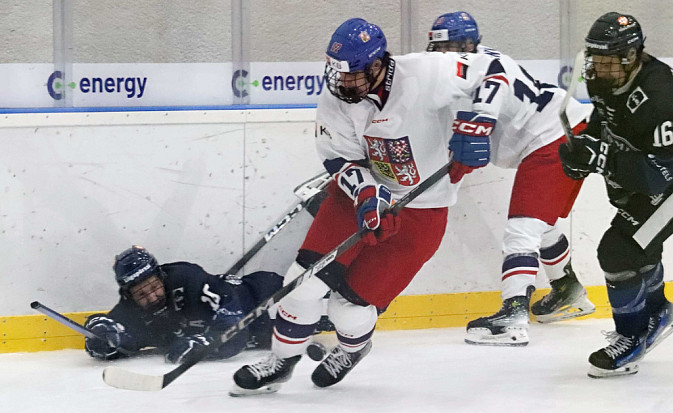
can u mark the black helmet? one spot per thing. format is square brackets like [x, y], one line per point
[614, 34]
[134, 265]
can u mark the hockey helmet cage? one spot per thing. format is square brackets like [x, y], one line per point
[614, 34]
[457, 27]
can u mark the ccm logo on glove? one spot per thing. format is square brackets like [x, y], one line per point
[473, 128]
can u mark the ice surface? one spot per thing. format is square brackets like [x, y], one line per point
[406, 371]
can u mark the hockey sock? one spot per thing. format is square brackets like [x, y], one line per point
[518, 272]
[289, 338]
[653, 276]
[354, 344]
[555, 257]
[627, 294]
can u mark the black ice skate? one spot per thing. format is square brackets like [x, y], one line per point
[337, 364]
[567, 299]
[619, 358]
[659, 326]
[265, 376]
[507, 327]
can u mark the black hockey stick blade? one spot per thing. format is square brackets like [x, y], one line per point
[575, 79]
[123, 379]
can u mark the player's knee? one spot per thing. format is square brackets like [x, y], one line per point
[552, 236]
[618, 252]
[351, 319]
[523, 235]
[303, 312]
[312, 288]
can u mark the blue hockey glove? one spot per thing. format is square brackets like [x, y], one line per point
[470, 143]
[588, 155]
[370, 202]
[183, 347]
[113, 333]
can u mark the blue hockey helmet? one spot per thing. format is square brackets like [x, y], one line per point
[134, 265]
[352, 52]
[457, 27]
[355, 45]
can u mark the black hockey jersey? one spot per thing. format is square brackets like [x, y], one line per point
[637, 119]
[199, 302]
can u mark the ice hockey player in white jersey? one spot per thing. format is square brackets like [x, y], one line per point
[526, 137]
[385, 126]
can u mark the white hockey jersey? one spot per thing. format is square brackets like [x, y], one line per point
[402, 132]
[529, 118]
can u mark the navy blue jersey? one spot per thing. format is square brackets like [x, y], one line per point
[199, 302]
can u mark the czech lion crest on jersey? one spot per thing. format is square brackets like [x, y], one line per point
[393, 159]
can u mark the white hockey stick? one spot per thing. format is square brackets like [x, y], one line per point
[124, 379]
[304, 191]
[576, 78]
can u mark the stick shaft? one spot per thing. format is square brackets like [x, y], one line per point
[36, 305]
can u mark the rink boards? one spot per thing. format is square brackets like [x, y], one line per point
[201, 186]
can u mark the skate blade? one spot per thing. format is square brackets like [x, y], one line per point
[626, 370]
[511, 337]
[565, 313]
[577, 308]
[667, 332]
[237, 391]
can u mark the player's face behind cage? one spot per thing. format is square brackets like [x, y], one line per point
[465, 46]
[609, 71]
[351, 87]
[149, 293]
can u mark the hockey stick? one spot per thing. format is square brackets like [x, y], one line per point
[305, 191]
[576, 78]
[36, 305]
[124, 379]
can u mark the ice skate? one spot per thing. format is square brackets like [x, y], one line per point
[337, 364]
[263, 377]
[620, 358]
[507, 327]
[659, 326]
[567, 299]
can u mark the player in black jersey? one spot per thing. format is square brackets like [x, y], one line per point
[629, 141]
[178, 307]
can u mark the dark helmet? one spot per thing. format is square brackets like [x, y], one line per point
[456, 27]
[614, 34]
[134, 265]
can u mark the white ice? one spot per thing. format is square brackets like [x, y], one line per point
[406, 371]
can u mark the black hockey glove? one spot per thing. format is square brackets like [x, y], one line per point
[114, 336]
[589, 155]
[183, 347]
